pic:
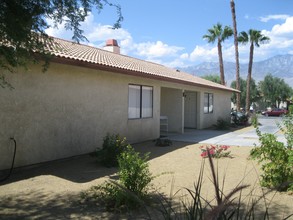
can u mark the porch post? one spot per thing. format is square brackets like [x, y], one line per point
[183, 101]
[199, 110]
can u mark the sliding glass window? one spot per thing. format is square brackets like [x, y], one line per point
[140, 101]
[208, 103]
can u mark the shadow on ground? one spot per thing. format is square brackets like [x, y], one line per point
[45, 206]
[38, 205]
[79, 169]
[84, 168]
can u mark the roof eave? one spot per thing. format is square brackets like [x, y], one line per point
[75, 62]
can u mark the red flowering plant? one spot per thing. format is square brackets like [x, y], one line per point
[216, 151]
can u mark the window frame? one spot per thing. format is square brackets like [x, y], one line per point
[141, 112]
[210, 103]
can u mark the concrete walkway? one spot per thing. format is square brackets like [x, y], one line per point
[242, 137]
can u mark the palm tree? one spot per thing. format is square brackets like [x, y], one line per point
[219, 34]
[232, 5]
[255, 38]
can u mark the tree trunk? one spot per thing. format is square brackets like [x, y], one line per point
[221, 63]
[249, 78]
[232, 4]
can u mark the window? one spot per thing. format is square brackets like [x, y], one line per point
[140, 101]
[208, 103]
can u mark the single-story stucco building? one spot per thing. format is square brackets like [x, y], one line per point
[88, 92]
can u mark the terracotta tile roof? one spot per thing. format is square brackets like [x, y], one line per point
[69, 50]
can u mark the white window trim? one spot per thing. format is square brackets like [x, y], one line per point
[139, 115]
[210, 106]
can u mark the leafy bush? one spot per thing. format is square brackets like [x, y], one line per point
[239, 118]
[287, 128]
[216, 151]
[222, 124]
[163, 142]
[134, 171]
[276, 159]
[254, 119]
[113, 146]
[131, 190]
[113, 196]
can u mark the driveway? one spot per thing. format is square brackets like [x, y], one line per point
[245, 136]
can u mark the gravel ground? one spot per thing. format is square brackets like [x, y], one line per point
[52, 190]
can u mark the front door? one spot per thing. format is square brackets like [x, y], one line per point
[190, 110]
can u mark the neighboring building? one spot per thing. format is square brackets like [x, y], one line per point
[89, 92]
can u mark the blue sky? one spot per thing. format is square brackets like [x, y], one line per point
[170, 32]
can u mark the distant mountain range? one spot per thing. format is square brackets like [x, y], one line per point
[280, 66]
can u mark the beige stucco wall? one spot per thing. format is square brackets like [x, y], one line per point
[171, 106]
[67, 111]
[222, 104]
[222, 108]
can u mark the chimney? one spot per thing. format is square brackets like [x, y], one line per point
[112, 46]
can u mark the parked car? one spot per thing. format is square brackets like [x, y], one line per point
[239, 118]
[275, 112]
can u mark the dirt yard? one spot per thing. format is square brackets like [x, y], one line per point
[52, 190]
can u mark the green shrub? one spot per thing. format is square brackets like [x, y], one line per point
[254, 119]
[131, 190]
[239, 118]
[287, 128]
[291, 109]
[113, 146]
[163, 142]
[112, 196]
[222, 124]
[134, 171]
[276, 159]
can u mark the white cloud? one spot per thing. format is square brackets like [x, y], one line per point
[156, 49]
[104, 32]
[273, 17]
[58, 31]
[97, 34]
[184, 56]
[283, 29]
[281, 36]
[281, 42]
[204, 53]
[176, 63]
[209, 53]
